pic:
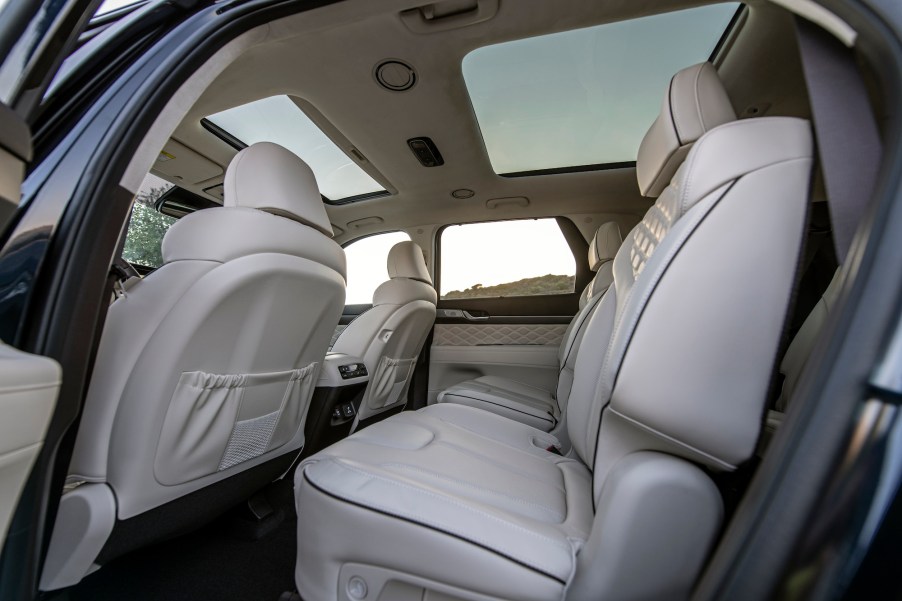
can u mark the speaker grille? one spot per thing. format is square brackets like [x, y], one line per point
[395, 75]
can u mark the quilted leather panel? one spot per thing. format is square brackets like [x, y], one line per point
[651, 230]
[487, 334]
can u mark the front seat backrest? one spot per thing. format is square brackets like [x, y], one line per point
[206, 366]
[390, 336]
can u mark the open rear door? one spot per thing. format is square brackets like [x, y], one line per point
[28, 383]
[34, 39]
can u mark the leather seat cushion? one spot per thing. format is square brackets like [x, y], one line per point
[447, 485]
[527, 404]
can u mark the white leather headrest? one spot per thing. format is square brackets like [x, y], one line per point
[405, 260]
[604, 245]
[273, 179]
[695, 103]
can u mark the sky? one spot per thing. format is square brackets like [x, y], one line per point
[278, 119]
[586, 96]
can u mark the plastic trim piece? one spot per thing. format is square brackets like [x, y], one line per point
[573, 169]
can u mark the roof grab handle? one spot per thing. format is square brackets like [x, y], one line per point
[448, 14]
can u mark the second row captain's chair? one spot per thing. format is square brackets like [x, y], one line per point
[205, 368]
[390, 336]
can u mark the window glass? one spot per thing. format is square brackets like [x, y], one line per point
[367, 265]
[584, 97]
[278, 119]
[147, 226]
[506, 258]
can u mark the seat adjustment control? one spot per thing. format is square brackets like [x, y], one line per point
[352, 370]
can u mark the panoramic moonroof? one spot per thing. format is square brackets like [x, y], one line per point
[278, 119]
[584, 97]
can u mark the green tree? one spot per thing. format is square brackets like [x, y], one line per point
[146, 228]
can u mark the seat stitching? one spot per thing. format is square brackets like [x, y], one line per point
[448, 531]
[343, 464]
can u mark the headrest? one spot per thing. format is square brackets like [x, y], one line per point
[695, 102]
[604, 245]
[405, 260]
[273, 179]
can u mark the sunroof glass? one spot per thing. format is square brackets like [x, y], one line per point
[584, 97]
[278, 119]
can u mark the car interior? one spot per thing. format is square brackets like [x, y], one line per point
[478, 299]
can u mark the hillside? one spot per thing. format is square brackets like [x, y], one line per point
[546, 284]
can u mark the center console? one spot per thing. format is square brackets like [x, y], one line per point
[336, 399]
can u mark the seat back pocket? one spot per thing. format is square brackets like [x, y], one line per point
[388, 382]
[217, 421]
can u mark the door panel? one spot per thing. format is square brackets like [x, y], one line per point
[28, 388]
[516, 347]
[494, 334]
[515, 337]
[536, 365]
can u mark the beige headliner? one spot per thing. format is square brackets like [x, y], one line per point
[326, 58]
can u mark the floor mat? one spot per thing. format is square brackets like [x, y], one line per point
[208, 564]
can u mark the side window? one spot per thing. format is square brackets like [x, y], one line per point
[505, 259]
[367, 269]
[147, 226]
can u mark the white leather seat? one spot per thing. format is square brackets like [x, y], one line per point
[670, 381]
[206, 367]
[390, 336]
[533, 406]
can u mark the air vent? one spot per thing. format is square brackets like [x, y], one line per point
[395, 75]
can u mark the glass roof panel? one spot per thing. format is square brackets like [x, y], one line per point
[587, 96]
[277, 119]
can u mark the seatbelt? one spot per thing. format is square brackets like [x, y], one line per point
[847, 141]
